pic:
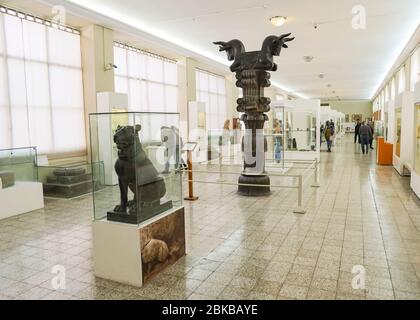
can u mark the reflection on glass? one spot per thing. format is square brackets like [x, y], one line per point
[398, 132]
[417, 165]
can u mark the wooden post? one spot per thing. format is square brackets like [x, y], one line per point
[191, 196]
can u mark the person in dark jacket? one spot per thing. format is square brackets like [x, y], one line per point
[356, 132]
[365, 135]
[371, 138]
[328, 133]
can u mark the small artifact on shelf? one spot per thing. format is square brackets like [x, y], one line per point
[7, 179]
[136, 172]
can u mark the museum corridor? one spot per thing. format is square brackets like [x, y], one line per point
[243, 248]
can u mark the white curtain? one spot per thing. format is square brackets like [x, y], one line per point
[211, 89]
[150, 82]
[41, 91]
[401, 80]
[415, 69]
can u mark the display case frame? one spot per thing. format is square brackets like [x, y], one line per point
[19, 167]
[415, 173]
[403, 158]
[303, 118]
[145, 147]
[275, 136]
[139, 224]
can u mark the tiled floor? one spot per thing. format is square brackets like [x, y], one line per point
[243, 248]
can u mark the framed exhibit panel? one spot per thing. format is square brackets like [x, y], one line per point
[19, 181]
[403, 158]
[197, 129]
[302, 129]
[415, 173]
[139, 226]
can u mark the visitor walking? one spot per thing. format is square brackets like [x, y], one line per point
[328, 135]
[356, 132]
[371, 137]
[365, 135]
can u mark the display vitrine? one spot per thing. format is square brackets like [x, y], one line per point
[275, 136]
[301, 129]
[415, 174]
[145, 148]
[18, 181]
[417, 140]
[398, 118]
[379, 128]
[22, 162]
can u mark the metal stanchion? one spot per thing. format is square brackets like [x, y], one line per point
[191, 196]
[300, 208]
[316, 175]
[221, 179]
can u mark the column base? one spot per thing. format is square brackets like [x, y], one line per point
[252, 191]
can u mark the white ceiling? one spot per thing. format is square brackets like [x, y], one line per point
[354, 61]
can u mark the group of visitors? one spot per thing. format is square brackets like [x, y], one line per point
[363, 134]
[328, 131]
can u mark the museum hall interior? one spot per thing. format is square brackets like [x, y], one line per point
[209, 150]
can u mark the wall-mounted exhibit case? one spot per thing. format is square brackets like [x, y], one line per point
[110, 102]
[19, 181]
[415, 173]
[139, 226]
[301, 129]
[403, 133]
[252, 73]
[197, 130]
[390, 121]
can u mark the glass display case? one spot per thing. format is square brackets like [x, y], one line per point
[275, 138]
[379, 128]
[71, 180]
[417, 155]
[143, 149]
[20, 164]
[300, 131]
[398, 118]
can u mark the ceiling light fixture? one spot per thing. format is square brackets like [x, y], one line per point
[278, 21]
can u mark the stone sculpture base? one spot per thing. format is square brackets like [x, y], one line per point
[69, 183]
[252, 191]
[143, 213]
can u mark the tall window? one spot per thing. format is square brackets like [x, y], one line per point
[41, 88]
[211, 89]
[415, 69]
[150, 81]
[401, 80]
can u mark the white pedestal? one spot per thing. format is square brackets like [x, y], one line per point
[132, 254]
[21, 198]
[415, 183]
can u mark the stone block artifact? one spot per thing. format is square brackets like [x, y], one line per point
[252, 76]
[136, 173]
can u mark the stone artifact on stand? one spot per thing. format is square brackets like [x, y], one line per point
[252, 76]
[136, 172]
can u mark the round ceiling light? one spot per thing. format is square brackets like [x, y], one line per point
[278, 21]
